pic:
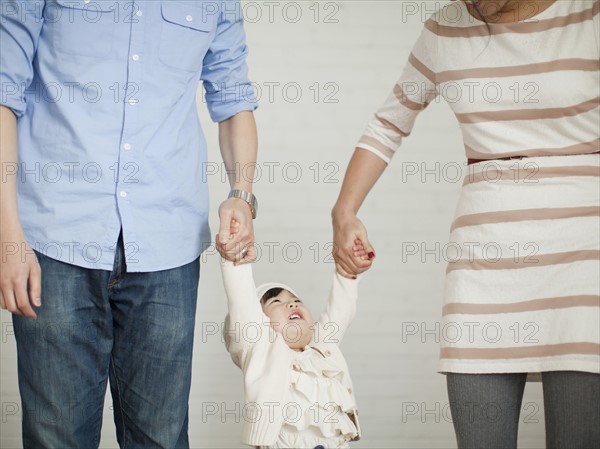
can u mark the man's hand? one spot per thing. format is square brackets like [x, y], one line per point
[235, 240]
[19, 268]
[19, 272]
[238, 142]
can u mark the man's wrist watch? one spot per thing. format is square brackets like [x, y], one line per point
[248, 197]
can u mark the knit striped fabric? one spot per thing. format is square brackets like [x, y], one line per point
[522, 287]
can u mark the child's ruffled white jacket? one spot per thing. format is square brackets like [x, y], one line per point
[265, 358]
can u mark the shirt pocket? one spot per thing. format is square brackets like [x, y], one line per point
[187, 28]
[83, 27]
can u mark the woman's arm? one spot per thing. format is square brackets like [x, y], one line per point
[362, 173]
[393, 121]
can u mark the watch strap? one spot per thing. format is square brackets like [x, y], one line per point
[248, 197]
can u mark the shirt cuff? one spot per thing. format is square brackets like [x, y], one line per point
[221, 113]
[12, 100]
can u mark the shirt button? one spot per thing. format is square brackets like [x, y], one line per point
[189, 18]
[127, 146]
[136, 57]
[123, 194]
[132, 101]
[350, 390]
[327, 353]
[138, 13]
[86, 1]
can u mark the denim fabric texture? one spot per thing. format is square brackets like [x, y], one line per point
[135, 329]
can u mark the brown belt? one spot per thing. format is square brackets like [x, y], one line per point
[475, 161]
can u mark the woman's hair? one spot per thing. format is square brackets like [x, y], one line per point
[476, 7]
[271, 293]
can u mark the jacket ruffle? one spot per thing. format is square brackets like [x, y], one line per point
[318, 404]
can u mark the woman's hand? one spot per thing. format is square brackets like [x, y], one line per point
[351, 258]
[352, 250]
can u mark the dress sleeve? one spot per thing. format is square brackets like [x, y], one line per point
[224, 70]
[596, 20]
[20, 27]
[340, 309]
[413, 91]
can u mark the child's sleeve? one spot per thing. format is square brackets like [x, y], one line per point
[340, 309]
[246, 325]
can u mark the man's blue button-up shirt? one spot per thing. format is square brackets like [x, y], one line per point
[108, 132]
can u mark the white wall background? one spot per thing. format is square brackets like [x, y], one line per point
[328, 70]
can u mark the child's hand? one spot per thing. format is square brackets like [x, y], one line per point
[247, 252]
[347, 229]
[233, 228]
[359, 251]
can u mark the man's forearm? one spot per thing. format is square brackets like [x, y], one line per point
[9, 215]
[238, 141]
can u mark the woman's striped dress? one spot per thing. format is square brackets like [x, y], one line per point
[523, 282]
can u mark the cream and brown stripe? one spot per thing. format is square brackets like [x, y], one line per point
[528, 114]
[524, 262]
[521, 306]
[505, 216]
[521, 352]
[526, 172]
[374, 143]
[391, 126]
[532, 26]
[422, 68]
[584, 65]
[405, 101]
[590, 147]
[433, 68]
[544, 106]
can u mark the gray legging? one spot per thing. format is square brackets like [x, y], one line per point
[485, 409]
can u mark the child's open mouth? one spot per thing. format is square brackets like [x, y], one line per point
[295, 316]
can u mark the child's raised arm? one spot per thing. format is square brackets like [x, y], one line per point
[340, 310]
[246, 326]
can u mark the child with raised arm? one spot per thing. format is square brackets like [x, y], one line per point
[298, 389]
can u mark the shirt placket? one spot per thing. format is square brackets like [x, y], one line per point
[129, 166]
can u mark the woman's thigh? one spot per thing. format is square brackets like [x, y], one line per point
[485, 408]
[572, 409]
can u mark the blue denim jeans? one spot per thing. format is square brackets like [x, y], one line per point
[135, 329]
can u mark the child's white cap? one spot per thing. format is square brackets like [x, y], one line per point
[264, 288]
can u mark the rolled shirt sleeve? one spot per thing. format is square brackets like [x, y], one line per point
[109, 136]
[20, 26]
[224, 71]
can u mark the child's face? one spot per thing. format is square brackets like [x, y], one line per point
[290, 317]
